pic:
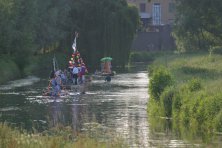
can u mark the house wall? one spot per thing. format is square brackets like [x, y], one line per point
[167, 9]
[160, 39]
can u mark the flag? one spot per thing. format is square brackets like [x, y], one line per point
[74, 42]
[74, 45]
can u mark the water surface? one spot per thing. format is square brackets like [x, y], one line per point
[119, 107]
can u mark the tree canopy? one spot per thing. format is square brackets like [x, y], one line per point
[198, 24]
[106, 28]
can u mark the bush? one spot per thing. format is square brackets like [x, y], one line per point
[41, 65]
[166, 99]
[193, 70]
[218, 122]
[160, 79]
[141, 57]
[9, 69]
[217, 49]
[194, 84]
[177, 102]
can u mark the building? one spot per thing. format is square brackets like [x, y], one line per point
[155, 12]
[157, 17]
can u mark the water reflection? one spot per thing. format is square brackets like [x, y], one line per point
[57, 115]
[119, 107]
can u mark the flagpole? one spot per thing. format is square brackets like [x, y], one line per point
[53, 61]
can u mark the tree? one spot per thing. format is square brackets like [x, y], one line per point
[198, 24]
[106, 28]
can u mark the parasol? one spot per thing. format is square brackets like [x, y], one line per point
[106, 59]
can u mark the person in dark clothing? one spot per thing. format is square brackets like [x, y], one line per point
[52, 74]
[108, 78]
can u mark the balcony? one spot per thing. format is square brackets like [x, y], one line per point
[144, 15]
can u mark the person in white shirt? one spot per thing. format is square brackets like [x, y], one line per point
[75, 72]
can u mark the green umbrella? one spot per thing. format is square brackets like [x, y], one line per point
[106, 59]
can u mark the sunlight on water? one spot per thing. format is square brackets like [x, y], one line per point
[11, 108]
[129, 116]
[19, 83]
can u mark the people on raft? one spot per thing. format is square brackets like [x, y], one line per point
[54, 87]
[64, 77]
[60, 78]
[75, 73]
[55, 84]
[82, 73]
[79, 74]
[58, 81]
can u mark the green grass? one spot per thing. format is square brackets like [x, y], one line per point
[61, 138]
[196, 94]
[144, 56]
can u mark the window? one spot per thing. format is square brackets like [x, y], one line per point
[142, 7]
[171, 7]
[156, 14]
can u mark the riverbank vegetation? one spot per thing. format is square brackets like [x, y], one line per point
[37, 27]
[143, 56]
[56, 138]
[9, 69]
[197, 24]
[186, 88]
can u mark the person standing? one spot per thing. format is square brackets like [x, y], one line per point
[82, 73]
[53, 84]
[75, 72]
[58, 82]
[64, 77]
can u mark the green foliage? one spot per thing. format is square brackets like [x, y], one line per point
[217, 49]
[106, 28]
[160, 79]
[218, 122]
[154, 108]
[194, 84]
[108, 31]
[61, 137]
[196, 97]
[197, 25]
[39, 66]
[177, 102]
[141, 57]
[9, 69]
[193, 70]
[166, 99]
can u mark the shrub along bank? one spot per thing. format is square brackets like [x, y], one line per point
[39, 65]
[9, 70]
[187, 89]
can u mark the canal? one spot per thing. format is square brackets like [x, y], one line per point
[118, 108]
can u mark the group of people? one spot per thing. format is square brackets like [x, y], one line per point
[78, 74]
[59, 78]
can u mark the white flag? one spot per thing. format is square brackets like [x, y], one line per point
[74, 45]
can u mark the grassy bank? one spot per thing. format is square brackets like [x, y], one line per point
[56, 138]
[187, 88]
[9, 69]
[143, 56]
